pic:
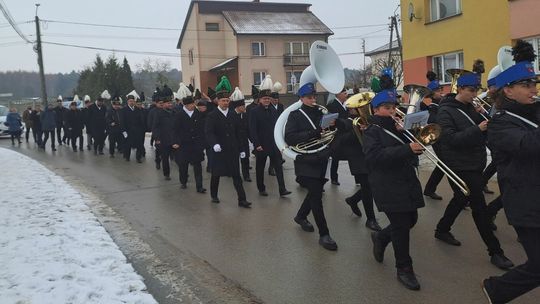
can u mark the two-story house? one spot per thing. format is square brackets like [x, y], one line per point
[247, 41]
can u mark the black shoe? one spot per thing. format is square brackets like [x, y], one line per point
[158, 166]
[263, 193]
[492, 224]
[487, 190]
[215, 200]
[407, 277]
[201, 190]
[433, 195]
[89, 148]
[247, 179]
[95, 152]
[272, 172]
[335, 182]
[127, 159]
[139, 161]
[501, 261]
[373, 225]
[305, 224]
[183, 186]
[486, 288]
[284, 193]
[111, 156]
[53, 149]
[378, 247]
[168, 178]
[101, 153]
[328, 243]
[244, 204]
[74, 149]
[447, 237]
[354, 207]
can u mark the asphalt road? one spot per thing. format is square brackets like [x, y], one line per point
[261, 254]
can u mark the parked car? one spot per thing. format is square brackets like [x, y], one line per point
[3, 128]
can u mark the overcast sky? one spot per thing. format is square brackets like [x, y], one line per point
[17, 55]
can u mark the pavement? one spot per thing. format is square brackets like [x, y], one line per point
[224, 254]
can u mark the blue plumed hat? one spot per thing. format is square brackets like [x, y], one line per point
[469, 80]
[518, 72]
[307, 89]
[386, 96]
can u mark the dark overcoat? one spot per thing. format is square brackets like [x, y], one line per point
[96, 119]
[224, 131]
[74, 122]
[261, 130]
[188, 134]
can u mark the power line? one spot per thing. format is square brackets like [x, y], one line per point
[13, 24]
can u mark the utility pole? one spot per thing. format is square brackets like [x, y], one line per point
[38, 49]
[364, 55]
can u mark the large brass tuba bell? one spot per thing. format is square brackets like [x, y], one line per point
[455, 73]
[361, 102]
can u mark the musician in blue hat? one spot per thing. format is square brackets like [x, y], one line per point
[513, 133]
[463, 150]
[303, 125]
[391, 159]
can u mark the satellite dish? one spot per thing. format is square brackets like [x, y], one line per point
[410, 12]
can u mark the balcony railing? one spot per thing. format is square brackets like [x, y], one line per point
[295, 60]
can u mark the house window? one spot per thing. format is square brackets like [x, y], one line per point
[258, 78]
[190, 55]
[441, 9]
[212, 27]
[536, 44]
[297, 48]
[257, 49]
[293, 79]
[444, 62]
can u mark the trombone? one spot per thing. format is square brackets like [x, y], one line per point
[480, 103]
[428, 135]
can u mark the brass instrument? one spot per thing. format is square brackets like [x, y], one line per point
[428, 135]
[416, 93]
[361, 102]
[318, 144]
[455, 73]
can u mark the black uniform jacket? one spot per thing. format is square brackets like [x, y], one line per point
[113, 121]
[224, 131]
[152, 112]
[96, 118]
[163, 127]
[243, 132]
[73, 122]
[279, 109]
[261, 129]
[60, 112]
[391, 170]
[352, 150]
[338, 143]
[134, 124]
[462, 143]
[189, 135]
[518, 148]
[298, 130]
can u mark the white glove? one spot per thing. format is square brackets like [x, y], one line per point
[217, 148]
[242, 154]
[125, 134]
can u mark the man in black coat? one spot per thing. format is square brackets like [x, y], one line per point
[279, 108]
[73, 126]
[114, 128]
[35, 116]
[239, 107]
[163, 124]
[222, 135]
[310, 169]
[189, 142]
[152, 113]
[337, 106]
[261, 129]
[60, 112]
[87, 123]
[391, 162]
[463, 150]
[98, 125]
[134, 127]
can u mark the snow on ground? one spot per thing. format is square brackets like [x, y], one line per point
[52, 248]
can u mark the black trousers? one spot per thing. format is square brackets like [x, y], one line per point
[313, 202]
[46, 137]
[209, 159]
[133, 141]
[89, 140]
[237, 182]
[435, 177]
[197, 172]
[39, 137]
[522, 278]
[364, 194]
[116, 140]
[494, 206]
[27, 132]
[244, 162]
[59, 134]
[166, 152]
[475, 182]
[73, 137]
[334, 166]
[99, 140]
[157, 152]
[489, 171]
[398, 232]
[275, 160]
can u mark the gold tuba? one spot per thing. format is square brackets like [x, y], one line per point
[362, 103]
[455, 73]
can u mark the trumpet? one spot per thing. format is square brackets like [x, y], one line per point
[428, 135]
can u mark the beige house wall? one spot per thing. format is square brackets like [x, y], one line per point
[524, 21]
[190, 42]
